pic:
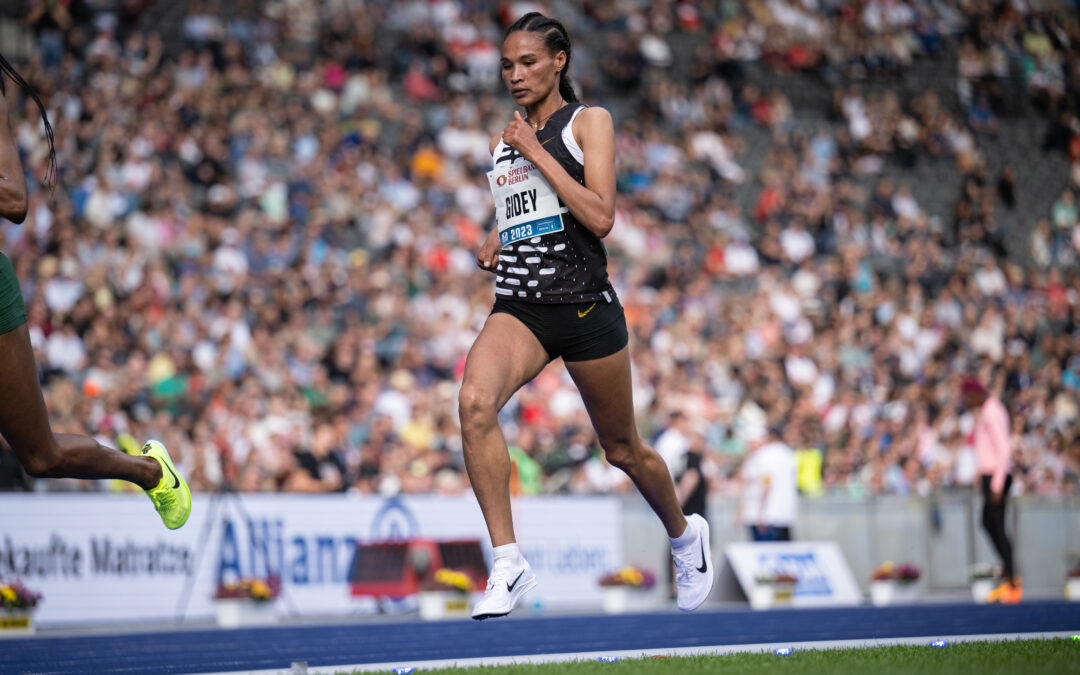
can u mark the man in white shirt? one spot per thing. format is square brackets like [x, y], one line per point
[674, 442]
[768, 502]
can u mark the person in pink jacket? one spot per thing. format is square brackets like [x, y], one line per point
[993, 454]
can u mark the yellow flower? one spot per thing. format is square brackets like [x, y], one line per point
[454, 579]
[8, 594]
[259, 590]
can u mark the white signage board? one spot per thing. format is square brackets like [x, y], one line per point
[107, 558]
[824, 578]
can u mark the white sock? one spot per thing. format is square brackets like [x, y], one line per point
[508, 552]
[689, 536]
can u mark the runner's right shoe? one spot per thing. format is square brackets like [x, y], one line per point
[171, 497]
[506, 584]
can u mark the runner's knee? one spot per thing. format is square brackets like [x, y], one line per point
[623, 452]
[42, 461]
[476, 407]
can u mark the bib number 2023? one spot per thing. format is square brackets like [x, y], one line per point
[516, 233]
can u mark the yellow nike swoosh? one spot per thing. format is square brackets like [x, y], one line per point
[581, 314]
[550, 139]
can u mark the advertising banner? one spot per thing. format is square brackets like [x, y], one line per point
[107, 558]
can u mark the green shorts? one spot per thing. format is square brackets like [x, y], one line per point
[12, 309]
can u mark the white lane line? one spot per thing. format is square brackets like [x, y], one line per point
[646, 653]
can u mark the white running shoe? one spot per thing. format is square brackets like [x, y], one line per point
[505, 585]
[694, 566]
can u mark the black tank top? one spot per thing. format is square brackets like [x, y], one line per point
[564, 267]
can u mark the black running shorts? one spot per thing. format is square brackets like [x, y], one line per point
[575, 332]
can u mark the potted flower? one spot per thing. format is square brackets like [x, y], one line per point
[1072, 584]
[882, 585]
[623, 587]
[890, 582]
[251, 601]
[17, 604]
[772, 588]
[445, 594]
[906, 575]
[983, 577]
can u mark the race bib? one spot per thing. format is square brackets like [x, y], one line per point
[525, 204]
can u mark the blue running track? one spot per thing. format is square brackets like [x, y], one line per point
[208, 651]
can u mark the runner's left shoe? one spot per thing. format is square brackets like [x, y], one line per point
[694, 566]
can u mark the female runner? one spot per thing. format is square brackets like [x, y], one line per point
[554, 190]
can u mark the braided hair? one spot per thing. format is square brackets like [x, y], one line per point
[555, 38]
[7, 69]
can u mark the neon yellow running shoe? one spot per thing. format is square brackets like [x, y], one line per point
[171, 497]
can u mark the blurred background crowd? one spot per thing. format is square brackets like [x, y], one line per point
[261, 249]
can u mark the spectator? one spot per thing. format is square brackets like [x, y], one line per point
[994, 454]
[257, 237]
[769, 493]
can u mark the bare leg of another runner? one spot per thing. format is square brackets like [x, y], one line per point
[24, 424]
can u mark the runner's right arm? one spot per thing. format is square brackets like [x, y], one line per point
[488, 256]
[13, 199]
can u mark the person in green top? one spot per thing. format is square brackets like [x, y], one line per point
[24, 421]
[527, 476]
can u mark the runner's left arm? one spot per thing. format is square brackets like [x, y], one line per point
[593, 204]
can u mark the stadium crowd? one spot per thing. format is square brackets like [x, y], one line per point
[262, 247]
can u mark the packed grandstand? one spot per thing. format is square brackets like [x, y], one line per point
[261, 248]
